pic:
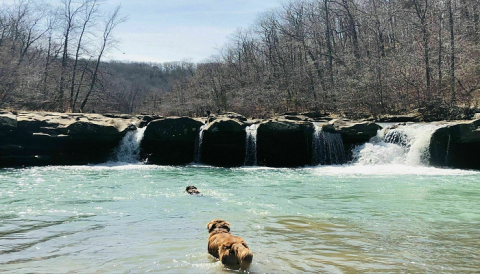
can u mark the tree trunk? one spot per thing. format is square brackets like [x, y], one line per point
[440, 48]
[61, 91]
[452, 52]
[328, 40]
[381, 42]
[94, 79]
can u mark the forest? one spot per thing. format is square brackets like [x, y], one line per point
[359, 58]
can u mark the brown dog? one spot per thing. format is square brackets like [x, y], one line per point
[230, 250]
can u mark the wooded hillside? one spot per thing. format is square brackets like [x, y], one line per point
[358, 57]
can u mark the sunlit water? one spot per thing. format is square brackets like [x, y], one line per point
[330, 219]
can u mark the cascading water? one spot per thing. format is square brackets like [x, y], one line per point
[251, 145]
[404, 144]
[128, 151]
[448, 149]
[327, 148]
[198, 145]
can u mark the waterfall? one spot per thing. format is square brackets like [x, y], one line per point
[327, 148]
[403, 144]
[448, 148]
[251, 145]
[128, 151]
[198, 145]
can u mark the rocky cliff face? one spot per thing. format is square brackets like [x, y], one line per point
[36, 138]
[285, 141]
[223, 141]
[353, 133]
[171, 140]
[456, 145]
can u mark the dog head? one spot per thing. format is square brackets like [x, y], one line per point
[217, 223]
[192, 190]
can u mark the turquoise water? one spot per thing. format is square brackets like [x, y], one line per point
[331, 219]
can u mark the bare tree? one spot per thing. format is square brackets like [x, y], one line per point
[108, 41]
[90, 9]
[69, 15]
[452, 51]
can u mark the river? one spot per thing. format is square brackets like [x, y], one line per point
[370, 215]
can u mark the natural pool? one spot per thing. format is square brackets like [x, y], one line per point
[355, 218]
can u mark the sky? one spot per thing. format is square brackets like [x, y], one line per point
[176, 30]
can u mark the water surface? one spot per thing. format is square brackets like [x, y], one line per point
[333, 219]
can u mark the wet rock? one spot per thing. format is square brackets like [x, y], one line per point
[285, 141]
[223, 142]
[28, 160]
[171, 140]
[145, 119]
[8, 121]
[48, 138]
[456, 145]
[352, 131]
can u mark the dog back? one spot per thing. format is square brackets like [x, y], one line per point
[235, 251]
[229, 249]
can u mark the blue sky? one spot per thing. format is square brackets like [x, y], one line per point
[175, 30]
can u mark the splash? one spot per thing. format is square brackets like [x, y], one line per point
[128, 151]
[406, 145]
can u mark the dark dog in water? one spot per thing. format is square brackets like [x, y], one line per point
[230, 250]
[192, 190]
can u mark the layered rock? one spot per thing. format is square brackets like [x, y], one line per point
[171, 140]
[223, 141]
[37, 138]
[227, 115]
[285, 141]
[412, 117]
[352, 132]
[8, 121]
[34, 138]
[456, 145]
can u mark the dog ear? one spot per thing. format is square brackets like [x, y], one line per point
[226, 225]
[212, 225]
[209, 226]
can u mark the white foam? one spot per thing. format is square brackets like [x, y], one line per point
[379, 153]
[388, 169]
[108, 166]
[128, 151]
[411, 147]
